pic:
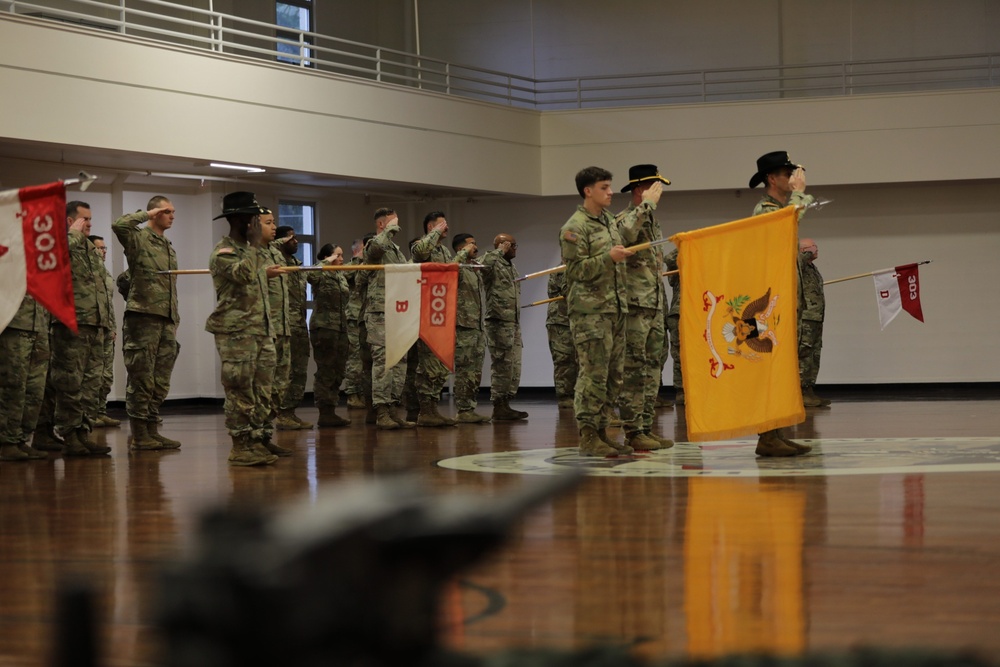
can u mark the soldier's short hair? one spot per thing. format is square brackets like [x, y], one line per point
[368, 237]
[383, 213]
[589, 176]
[156, 202]
[431, 217]
[283, 231]
[459, 240]
[95, 237]
[325, 251]
[71, 207]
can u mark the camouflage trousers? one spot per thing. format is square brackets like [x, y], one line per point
[426, 376]
[74, 378]
[810, 347]
[331, 351]
[411, 400]
[470, 351]
[25, 364]
[354, 383]
[150, 349]
[644, 343]
[387, 385]
[298, 370]
[564, 366]
[600, 350]
[504, 341]
[673, 330]
[108, 377]
[247, 370]
[282, 366]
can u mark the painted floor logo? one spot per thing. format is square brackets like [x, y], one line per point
[735, 458]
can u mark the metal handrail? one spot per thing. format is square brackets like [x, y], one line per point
[325, 55]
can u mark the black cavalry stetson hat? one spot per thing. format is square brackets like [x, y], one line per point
[240, 202]
[768, 163]
[641, 173]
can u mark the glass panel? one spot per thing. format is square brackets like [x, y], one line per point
[305, 253]
[309, 292]
[292, 16]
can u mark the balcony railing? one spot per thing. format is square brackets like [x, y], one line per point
[222, 33]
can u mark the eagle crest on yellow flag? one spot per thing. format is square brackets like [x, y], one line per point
[739, 326]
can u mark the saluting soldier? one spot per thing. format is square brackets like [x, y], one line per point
[286, 241]
[149, 329]
[328, 331]
[244, 332]
[673, 327]
[812, 310]
[503, 326]
[24, 347]
[470, 340]
[354, 384]
[644, 330]
[564, 365]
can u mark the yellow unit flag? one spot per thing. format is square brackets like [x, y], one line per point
[738, 326]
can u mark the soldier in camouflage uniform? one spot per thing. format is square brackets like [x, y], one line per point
[101, 418]
[278, 307]
[354, 385]
[77, 360]
[432, 375]
[812, 308]
[673, 326]
[149, 329]
[503, 326]
[244, 333]
[470, 340]
[564, 365]
[597, 305]
[288, 244]
[328, 330]
[387, 385]
[785, 185]
[644, 332]
[24, 348]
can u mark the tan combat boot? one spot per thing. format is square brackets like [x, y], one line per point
[273, 447]
[565, 403]
[679, 397]
[384, 420]
[141, 439]
[622, 449]
[769, 444]
[44, 440]
[799, 447]
[106, 421]
[12, 452]
[153, 428]
[328, 417]
[471, 417]
[503, 412]
[243, 454]
[284, 421]
[31, 452]
[592, 445]
[403, 423]
[355, 401]
[665, 443]
[642, 441]
[303, 424]
[810, 399]
[429, 415]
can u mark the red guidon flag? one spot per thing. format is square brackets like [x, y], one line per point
[34, 252]
[895, 290]
[420, 302]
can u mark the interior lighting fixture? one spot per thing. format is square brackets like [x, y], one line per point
[238, 167]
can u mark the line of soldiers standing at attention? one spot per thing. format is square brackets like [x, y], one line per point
[612, 332]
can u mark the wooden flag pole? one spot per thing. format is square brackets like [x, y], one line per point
[870, 273]
[562, 267]
[560, 298]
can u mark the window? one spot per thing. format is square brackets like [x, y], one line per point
[296, 16]
[302, 218]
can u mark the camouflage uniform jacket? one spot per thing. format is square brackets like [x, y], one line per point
[241, 295]
[637, 224]
[427, 249]
[556, 314]
[31, 316]
[595, 283]
[277, 291]
[670, 261]
[112, 324]
[148, 252]
[503, 294]
[380, 250]
[331, 295]
[296, 295]
[90, 289]
[470, 294]
[358, 282]
[769, 204]
[812, 302]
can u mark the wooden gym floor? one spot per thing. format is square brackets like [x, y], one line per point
[887, 535]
